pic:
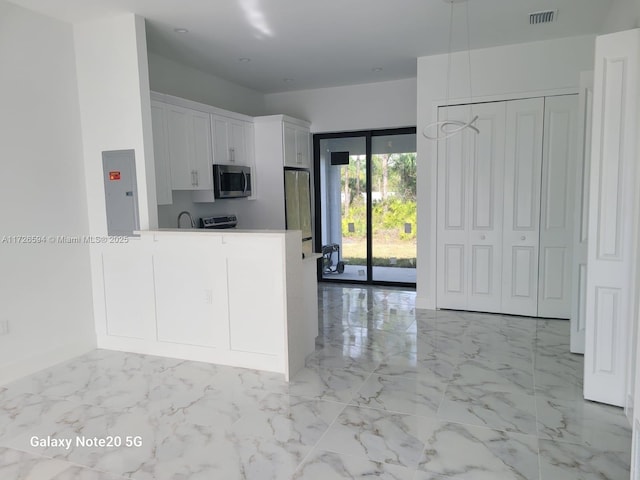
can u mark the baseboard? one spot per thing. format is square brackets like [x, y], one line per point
[26, 366]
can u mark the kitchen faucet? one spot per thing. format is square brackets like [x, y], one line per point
[193, 224]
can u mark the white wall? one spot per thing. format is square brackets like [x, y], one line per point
[498, 73]
[173, 78]
[356, 107]
[115, 109]
[623, 15]
[45, 290]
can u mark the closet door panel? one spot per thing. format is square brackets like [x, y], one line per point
[581, 215]
[559, 162]
[470, 172]
[522, 182]
[453, 179]
[486, 205]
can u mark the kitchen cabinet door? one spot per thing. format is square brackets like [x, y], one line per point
[201, 154]
[179, 150]
[296, 146]
[303, 147]
[257, 312]
[191, 294]
[161, 154]
[190, 157]
[229, 141]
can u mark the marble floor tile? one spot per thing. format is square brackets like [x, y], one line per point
[327, 384]
[511, 412]
[17, 465]
[465, 452]
[332, 466]
[582, 422]
[400, 394]
[491, 376]
[391, 392]
[409, 364]
[345, 357]
[566, 461]
[378, 436]
[289, 419]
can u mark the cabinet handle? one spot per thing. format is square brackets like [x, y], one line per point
[193, 178]
[196, 175]
[232, 154]
[483, 237]
[299, 157]
[523, 238]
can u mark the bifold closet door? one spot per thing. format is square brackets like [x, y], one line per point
[559, 163]
[521, 227]
[470, 203]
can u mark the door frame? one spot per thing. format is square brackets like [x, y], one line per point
[368, 135]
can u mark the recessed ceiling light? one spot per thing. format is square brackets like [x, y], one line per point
[287, 80]
[181, 30]
[376, 69]
[244, 59]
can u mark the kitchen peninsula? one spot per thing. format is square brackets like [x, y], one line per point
[244, 298]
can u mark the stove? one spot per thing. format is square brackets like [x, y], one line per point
[219, 221]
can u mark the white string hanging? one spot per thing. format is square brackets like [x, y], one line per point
[443, 129]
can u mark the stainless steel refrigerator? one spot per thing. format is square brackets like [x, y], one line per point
[297, 193]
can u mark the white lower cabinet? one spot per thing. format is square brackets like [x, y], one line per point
[191, 295]
[506, 208]
[227, 298]
[253, 282]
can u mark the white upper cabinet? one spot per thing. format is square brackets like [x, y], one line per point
[297, 143]
[161, 153]
[229, 141]
[190, 155]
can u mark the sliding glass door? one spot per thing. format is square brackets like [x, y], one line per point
[366, 206]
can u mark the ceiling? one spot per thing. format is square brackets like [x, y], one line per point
[299, 44]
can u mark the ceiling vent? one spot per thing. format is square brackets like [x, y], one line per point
[546, 16]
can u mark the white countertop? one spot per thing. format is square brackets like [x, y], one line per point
[209, 231]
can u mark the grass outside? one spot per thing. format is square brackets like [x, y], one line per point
[354, 251]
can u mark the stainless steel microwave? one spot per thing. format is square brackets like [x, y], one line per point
[231, 181]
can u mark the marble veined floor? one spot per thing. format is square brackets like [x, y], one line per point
[390, 393]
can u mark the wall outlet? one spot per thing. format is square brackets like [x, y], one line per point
[4, 327]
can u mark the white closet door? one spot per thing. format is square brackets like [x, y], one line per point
[581, 215]
[470, 173]
[522, 181]
[559, 161]
[453, 161]
[612, 217]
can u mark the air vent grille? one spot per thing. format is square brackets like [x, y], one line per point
[546, 16]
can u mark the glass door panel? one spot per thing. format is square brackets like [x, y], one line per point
[393, 211]
[343, 192]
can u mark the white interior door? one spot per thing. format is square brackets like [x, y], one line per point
[581, 215]
[470, 174]
[559, 161]
[612, 217]
[522, 181]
